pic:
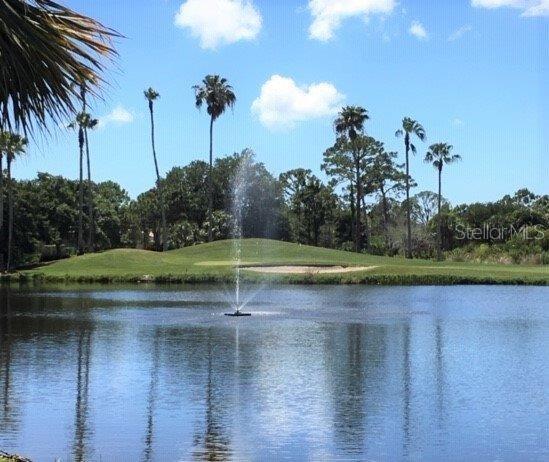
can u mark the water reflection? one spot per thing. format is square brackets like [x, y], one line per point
[152, 397]
[9, 416]
[82, 429]
[411, 376]
[211, 442]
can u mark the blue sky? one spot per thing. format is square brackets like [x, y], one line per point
[473, 72]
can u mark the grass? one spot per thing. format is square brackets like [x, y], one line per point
[213, 262]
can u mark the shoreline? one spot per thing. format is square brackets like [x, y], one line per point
[347, 278]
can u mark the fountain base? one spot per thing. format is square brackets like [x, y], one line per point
[237, 314]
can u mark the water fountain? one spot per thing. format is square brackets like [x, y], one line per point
[239, 197]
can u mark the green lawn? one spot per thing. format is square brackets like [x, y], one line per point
[213, 262]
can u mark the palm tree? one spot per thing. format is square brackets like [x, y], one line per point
[217, 95]
[82, 120]
[409, 128]
[152, 95]
[350, 123]
[440, 154]
[45, 52]
[89, 123]
[11, 145]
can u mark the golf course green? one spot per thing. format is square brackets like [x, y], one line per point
[214, 262]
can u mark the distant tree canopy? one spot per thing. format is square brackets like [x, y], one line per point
[297, 206]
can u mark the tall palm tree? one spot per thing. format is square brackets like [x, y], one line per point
[2, 154]
[151, 96]
[89, 124]
[350, 123]
[1, 195]
[410, 128]
[216, 93]
[46, 50]
[440, 154]
[11, 145]
[82, 120]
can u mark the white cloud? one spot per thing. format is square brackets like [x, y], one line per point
[458, 33]
[119, 115]
[541, 9]
[418, 31]
[282, 102]
[530, 8]
[328, 14]
[457, 122]
[219, 22]
[497, 3]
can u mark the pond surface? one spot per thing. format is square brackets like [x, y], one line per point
[318, 373]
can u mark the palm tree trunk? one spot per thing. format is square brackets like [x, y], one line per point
[81, 193]
[408, 212]
[1, 212]
[385, 215]
[10, 215]
[164, 236]
[352, 207]
[1, 191]
[358, 224]
[210, 184]
[365, 224]
[439, 220]
[91, 228]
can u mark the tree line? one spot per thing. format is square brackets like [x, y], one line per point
[295, 206]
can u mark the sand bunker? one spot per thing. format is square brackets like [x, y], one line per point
[307, 269]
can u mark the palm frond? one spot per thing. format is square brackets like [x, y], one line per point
[46, 52]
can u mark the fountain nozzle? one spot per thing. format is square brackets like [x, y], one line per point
[238, 314]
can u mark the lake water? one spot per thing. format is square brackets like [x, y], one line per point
[318, 373]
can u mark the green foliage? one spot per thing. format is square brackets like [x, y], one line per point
[46, 50]
[47, 214]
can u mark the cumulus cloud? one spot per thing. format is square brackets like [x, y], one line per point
[119, 115]
[418, 30]
[540, 9]
[328, 14]
[458, 33]
[497, 3]
[282, 102]
[219, 22]
[530, 8]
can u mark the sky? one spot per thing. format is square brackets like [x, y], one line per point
[473, 72]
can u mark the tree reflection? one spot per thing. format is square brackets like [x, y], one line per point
[8, 416]
[356, 359]
[82, 431]
[407, 385]
[214, 444]
[440, 377]
[151, 399]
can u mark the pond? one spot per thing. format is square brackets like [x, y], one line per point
[317, 373]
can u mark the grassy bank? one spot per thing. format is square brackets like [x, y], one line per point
[213, 262]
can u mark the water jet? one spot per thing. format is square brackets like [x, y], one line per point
[239, 200]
